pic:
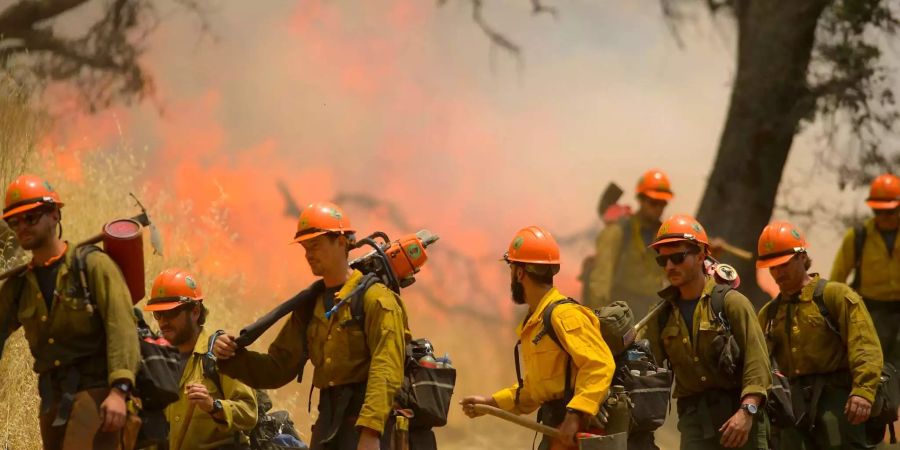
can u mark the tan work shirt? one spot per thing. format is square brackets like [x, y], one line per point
[238, 403]
[690, 352]
[342, 351]
[74, 329]
[807, 346]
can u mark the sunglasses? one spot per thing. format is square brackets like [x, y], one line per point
[172, 313]
[676, 258]
[885, 212]
[29, 218]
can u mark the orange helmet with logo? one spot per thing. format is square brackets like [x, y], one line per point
[778, 243]
[28, 192]
[173, 288]
[321, 218]
[680, 228]
[533, 245]
[884, 192]
[655, 184]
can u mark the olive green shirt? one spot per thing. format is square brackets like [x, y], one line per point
[341, 352]
[690, 353]
[810, 347]
[74, 329]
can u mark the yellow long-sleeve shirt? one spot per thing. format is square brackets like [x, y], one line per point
[342, 351]
[880, 270]
[238, 403]
[545, 362]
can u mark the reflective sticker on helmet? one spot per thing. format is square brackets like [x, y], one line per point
[190, 282]
[47, 185]
[334, 213]
[161, 291]
[795, 234]
[769, 245]
[15, 195]
[414, 251]
[696, 226]
[664, 229]
[304, 223]
[517, 242]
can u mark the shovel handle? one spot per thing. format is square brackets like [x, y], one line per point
[518, 420]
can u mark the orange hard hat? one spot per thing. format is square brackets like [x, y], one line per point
[532, 245]
[680, 228]
[321, 218]
[778, 243]
[28, 192]
[173, 288]
[654, 183]
[884, 192]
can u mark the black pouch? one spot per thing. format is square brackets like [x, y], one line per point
[887, 401]
[779, 404]
[427, 392]
[650, 394]
[158, 377]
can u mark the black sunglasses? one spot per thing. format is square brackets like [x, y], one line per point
[172, 313]
[29, 218]
[885, 212]
[676, 258]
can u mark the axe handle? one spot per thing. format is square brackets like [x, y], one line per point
[737, 251]
[518, 420]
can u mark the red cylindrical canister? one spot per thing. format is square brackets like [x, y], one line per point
[122, 242]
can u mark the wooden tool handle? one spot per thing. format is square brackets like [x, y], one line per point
[737, 251]
[518, 420]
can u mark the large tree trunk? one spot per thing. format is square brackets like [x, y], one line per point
[768, 100]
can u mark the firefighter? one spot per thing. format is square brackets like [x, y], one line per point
[719, 360]
[623, 268]
[568, 381]
[358, 362]
[82, 338]
[823, 340]
[870, 250]
[224, 410]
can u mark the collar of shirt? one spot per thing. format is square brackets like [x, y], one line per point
[536, 316]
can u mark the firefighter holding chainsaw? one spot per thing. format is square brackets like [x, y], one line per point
[823, 340]
[567, 381]
[359, 361]
[623, 267]
[709, 334]
[82, 336]
[213, 410]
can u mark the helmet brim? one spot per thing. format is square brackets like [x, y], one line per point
[883, 204]
[659, 195]
[27, 207]
[166, 306]
[772, 262]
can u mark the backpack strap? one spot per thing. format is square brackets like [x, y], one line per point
[819, 298]
[83, 288]
[546, 330]
[208, 362]
[717, 303]
[859, 240]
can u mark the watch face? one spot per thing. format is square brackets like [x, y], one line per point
[751, 408]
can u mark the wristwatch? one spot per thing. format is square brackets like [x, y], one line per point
[122, 387]
[750, 408]
[217, 407]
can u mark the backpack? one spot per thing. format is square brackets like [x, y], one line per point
[648, 386]
[424, 395]
[274, 430]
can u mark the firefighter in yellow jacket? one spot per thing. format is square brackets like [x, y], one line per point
[623, 267]
[876, 263]
[84, 341]
[358, 361]
[823, 340]
[222, 410]
[719, 391]
[567, 383]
